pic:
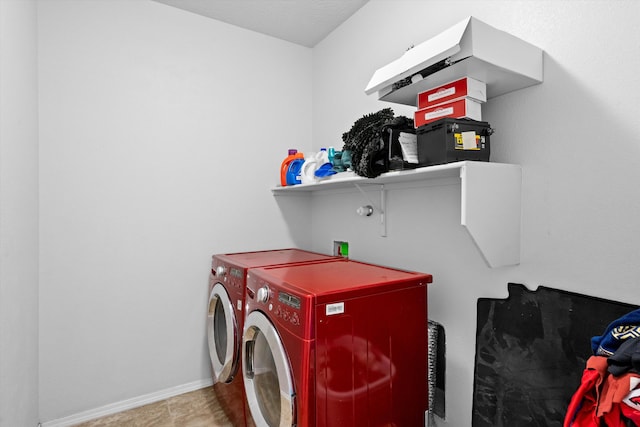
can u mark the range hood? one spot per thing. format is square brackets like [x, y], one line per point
[470, 48]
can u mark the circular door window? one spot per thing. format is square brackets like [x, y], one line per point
[222, 334]
[267, 376]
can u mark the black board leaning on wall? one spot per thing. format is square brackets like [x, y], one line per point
[531, 349]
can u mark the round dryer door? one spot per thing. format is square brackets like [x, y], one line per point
[267, 377]
[222, 334]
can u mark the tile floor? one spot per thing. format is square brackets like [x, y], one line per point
[198, 408]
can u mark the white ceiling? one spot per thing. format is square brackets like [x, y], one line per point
[304, 22]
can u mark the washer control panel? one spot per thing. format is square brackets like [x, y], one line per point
[284, 306]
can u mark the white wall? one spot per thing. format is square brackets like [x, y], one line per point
[149, 165]
[18, 215]
[574, 135]
[161, 132]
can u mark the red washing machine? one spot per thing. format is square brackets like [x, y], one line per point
[336, 344]
[226, 317]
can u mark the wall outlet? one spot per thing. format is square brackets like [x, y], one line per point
[341, 248]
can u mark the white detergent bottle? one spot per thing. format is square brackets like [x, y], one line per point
[311, 164]
[323, 155]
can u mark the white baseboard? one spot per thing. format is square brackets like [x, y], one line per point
[124, 405]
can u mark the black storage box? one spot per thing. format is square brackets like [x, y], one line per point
[443, 141]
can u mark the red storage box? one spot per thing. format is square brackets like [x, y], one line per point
[462, 88]
[461, 108]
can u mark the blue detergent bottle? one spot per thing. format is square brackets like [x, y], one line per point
[294, 171]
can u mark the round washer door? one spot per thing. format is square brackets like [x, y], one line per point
[223, 335]
[266, 374]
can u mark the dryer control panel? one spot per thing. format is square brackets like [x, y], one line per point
[231, 276]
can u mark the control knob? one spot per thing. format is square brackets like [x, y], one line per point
[221, 270]
[263, 294]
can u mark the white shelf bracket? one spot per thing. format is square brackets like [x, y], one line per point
[381, 208]
[490, 211]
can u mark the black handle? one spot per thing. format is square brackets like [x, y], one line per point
[249, 346]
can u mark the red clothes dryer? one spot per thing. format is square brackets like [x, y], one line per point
[336, 344]
[226, 316]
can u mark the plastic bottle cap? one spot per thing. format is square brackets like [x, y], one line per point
[292, 151]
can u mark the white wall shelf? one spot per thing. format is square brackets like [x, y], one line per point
[470, 48]
[490, 201]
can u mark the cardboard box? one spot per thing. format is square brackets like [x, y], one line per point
[461, 108]
[465, 87]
